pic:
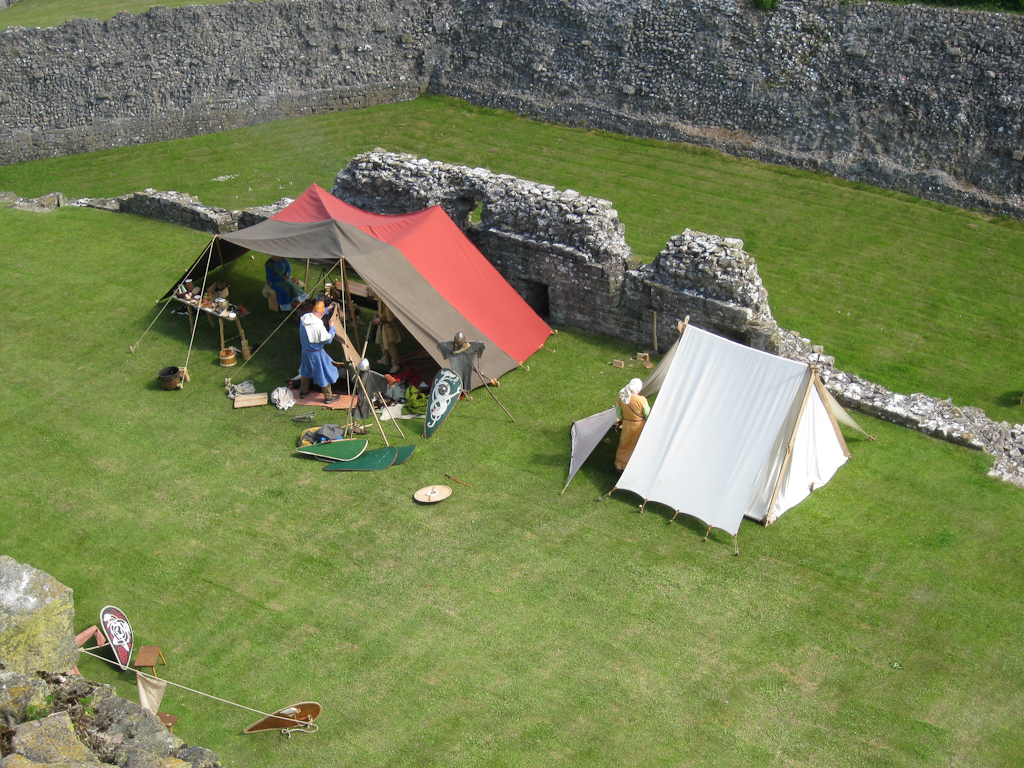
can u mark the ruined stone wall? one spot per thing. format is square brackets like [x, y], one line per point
[928, 101]
[168, 73]
[924, 100]
[706, 277]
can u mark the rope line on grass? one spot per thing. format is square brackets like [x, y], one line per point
[303, 724]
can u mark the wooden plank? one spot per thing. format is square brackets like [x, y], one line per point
[248, 401]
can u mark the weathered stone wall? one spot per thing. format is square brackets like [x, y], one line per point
[924, 100]
[567, 256]
[168, 73]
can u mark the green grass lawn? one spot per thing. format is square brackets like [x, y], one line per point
[911, 295]
[875, 624]
[51, 13]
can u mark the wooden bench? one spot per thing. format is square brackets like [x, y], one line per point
[147, 657]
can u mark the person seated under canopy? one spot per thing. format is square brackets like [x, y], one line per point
[286, 288]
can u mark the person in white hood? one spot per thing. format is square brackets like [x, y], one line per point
[317, 366]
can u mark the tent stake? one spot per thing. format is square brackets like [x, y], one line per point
[706, 534]
[674, 517]
[736, 544]
[641, 510]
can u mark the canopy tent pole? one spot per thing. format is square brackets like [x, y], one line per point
[488, 388]
[373, 410]
[789, 448]
[349, 365]
[202, 292]
[305, 277]
[348, 301]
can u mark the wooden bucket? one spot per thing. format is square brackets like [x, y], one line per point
[227, 358]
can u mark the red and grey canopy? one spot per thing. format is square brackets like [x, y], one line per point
[420, 264]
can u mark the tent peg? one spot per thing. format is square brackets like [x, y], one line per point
[674, 517]
[736, 544]
[609, 493]
[641, 510]
[706, 534]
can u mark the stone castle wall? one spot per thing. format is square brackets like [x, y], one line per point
[169, 73]
[924, 100]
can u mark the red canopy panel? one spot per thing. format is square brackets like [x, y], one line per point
[445, 257]
[421, 264]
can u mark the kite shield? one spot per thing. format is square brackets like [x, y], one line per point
[118, 632]
[444, 393]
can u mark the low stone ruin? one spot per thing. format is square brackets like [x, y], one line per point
[51, 717]
[566, 254]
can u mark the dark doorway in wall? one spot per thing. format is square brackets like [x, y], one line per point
[465, 211]
[536, 295]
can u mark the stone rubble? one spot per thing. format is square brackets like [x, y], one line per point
[49, 717]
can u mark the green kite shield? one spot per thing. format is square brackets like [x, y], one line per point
[444, 393]
[404, 452]
[370, 461]
[339, 450]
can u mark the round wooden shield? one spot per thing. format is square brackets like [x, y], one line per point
[298, 716]
[432, 494]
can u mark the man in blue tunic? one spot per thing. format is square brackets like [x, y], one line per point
[286, 288]
[316, 365]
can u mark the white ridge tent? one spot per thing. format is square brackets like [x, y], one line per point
[734, 432]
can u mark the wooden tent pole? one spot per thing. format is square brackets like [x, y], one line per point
[820, 387]
[202, 292]
[789, 450]
[369, 404]
[350, 307]
[487, 387]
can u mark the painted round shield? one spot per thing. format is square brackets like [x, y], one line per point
[432, 494]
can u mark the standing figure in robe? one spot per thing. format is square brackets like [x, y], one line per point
[632, 408]
[317, 366]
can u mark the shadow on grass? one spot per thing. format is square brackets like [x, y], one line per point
[1010, 398]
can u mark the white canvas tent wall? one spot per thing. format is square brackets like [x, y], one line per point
[735, 432]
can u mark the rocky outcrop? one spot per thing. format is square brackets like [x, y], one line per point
[56, 719]
[36, 619]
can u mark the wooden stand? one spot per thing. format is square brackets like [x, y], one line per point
[147, 657]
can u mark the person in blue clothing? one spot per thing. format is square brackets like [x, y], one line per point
[317, 366]
[286, 288]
